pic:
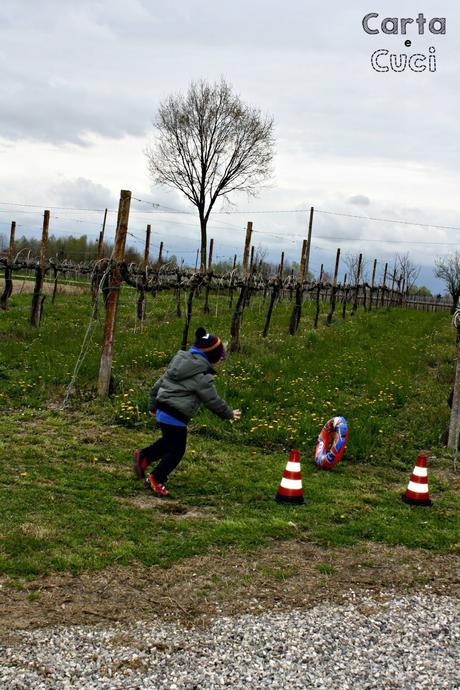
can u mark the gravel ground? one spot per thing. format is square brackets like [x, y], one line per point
[385, 641]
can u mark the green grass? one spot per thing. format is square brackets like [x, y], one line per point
[67, 497]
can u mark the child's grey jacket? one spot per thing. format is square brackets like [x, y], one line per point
[186, 383]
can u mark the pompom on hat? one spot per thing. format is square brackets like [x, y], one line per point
[211, 345]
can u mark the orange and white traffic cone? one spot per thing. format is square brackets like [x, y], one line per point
[290, 490]
[417, 489]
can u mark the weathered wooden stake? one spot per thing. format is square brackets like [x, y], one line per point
[345, 296]
[247, 244]
[358, 275]
[148, 234]
[281, 269]
[38, 298]
[384, 284]
[100, 245]
[297, 311]
[250, 276]
[310, 227]
[55, 275]
[372, 284]
[334, 289]
[143, 280]
[454, 425]
[113, 294]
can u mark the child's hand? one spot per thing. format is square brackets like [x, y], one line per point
[236, 415]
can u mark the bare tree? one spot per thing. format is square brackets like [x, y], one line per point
[208, 145]
[448, 269]
[352, 263]
[406, 270]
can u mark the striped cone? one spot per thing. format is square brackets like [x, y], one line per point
[417, 489]
[290, 490]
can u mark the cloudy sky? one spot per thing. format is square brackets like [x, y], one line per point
[82, 80]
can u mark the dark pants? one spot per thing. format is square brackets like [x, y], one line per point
[169, 449]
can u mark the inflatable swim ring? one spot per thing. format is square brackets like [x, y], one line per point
[325, 458]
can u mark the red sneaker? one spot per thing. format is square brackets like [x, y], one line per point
[140, 465]
[156, 488]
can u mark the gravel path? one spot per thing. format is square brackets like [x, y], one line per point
[388, 641]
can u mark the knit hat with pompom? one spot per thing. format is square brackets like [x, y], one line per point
[211, 345]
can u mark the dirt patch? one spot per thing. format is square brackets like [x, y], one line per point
[284, 576]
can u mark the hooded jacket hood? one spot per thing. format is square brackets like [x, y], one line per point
[187, 364]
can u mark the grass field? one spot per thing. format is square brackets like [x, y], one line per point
[68, 500]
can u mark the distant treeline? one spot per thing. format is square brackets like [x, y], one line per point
[76, 249]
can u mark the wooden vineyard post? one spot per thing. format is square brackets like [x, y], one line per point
[334, 289]
[148, 234]
[281, 268]
[454, 425]
[141, 288]
[372, 284]
[384, 284]
[8, 288]
[297, 311]
[55, 275]
[247, 244]
[231, 287]
[344, 296]
[250, 278]
[310, 228]
[38, 298]
[358, 275]
[113, 294]
[100, 244]
[251, 260]
[393, 286]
